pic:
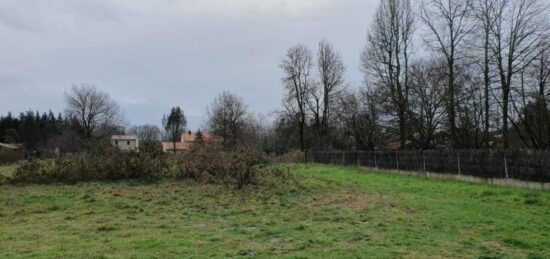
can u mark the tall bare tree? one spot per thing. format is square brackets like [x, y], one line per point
[331, 77]
[469, 107]
[484, 11]
[94, 112]
[297, 69]
[448, 24]
[516, 36]
[385, 59]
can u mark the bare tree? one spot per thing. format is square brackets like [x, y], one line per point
[95, 113]
[146, 133]
[448, 24]
[227, 117]
[331, 77]
[530, 102]
[484, 11]
[428, 80]
[174, 124]
[297, 68]
[516, 36]
[315, 104]
[469, 107]
[385, 59]
[359, 116]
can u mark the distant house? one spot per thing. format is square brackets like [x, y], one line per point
[188, 139]
[125, 142]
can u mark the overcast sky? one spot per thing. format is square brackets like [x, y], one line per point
[150, 55]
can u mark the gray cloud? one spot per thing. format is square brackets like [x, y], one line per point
[151, 55]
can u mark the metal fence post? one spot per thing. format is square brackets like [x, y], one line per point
[423, 161]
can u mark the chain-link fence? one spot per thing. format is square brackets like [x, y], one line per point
[527, 165]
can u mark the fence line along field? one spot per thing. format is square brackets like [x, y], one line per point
[320, 211]
[519, 166]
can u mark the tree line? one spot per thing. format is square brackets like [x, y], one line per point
[91, 117]
[437, 74]
[456, 74]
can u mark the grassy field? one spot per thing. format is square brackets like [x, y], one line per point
[328, 212]
[7, 170]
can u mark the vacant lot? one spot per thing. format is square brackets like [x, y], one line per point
[329, 212]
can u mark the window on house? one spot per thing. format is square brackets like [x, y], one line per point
[116, 142]
[128, 142]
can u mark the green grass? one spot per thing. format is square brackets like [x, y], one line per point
[330, 212]
[7, 170]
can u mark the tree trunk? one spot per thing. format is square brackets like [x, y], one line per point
[451, 105]
[402, 130]
[302, 145]
[487, 83]
[505, 101]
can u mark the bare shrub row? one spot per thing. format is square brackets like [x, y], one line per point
[202, 164]
[105, 164]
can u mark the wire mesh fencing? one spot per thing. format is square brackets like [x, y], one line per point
[527, 165]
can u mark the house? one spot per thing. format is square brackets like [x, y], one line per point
[189, 139]
[125, 142]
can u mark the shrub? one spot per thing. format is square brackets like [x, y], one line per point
[32, 172]
[212, 165]
[244, 168]
[150, 163]
[199, 163]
